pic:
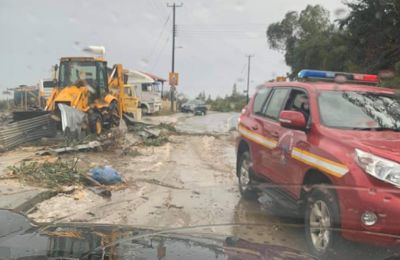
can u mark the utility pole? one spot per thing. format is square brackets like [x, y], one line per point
[248, 76]
[173, 87]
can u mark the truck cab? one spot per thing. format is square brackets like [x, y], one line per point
[147, 88]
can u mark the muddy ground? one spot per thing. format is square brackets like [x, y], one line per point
[187, 184]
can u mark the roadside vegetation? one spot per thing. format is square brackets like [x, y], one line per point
[230, 103]
[365, 38]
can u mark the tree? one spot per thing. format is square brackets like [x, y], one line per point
[373, 31]
[234, 90]
[201, 96]
[209, 99]
[309, 40]
[366, 41]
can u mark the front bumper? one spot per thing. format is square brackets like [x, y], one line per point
[384, 202]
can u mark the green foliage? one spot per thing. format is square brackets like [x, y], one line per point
[373, 32]
[229, 103]
[48, 174]
[366, 41]
[156, 141]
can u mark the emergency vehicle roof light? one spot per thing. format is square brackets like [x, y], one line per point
[330, 75]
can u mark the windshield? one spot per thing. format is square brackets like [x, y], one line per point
[73, 72]
[348, 109]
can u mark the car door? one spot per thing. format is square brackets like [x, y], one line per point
[289, 170]
[252, 126]
[270, 130]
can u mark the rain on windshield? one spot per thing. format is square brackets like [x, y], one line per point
[200, 129]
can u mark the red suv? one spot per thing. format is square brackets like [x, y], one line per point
[329, 151]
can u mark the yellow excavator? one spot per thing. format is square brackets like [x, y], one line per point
[88, 85]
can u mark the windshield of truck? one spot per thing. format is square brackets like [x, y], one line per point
[74, 72]
[359, 110]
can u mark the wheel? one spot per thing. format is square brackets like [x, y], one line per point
[244, 173]
[322, 217]
[95, 123]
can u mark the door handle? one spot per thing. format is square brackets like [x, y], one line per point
[275, 134]
[254, 127]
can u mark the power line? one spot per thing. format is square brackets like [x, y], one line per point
[163, 6]
[153, 50]
[221, 37]
[226, 24]
[157, 7]
[160, 53]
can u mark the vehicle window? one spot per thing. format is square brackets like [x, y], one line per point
[276, 103]
[260, 100]
[298, 101]
[359, 110]
[72, 72]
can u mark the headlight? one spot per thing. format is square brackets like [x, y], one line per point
[378, 167]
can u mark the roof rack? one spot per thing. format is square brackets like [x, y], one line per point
[339, 77]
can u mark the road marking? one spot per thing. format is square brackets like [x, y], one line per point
[321, 163]
[261, 140]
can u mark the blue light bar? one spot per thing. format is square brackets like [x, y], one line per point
[330, 75]
[316, 74]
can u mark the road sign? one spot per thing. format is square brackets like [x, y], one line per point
[173, 78]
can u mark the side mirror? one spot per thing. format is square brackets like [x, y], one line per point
[293, 120]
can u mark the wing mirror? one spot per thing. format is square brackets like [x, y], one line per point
[293, 120]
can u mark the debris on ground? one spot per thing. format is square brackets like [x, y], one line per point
[52, 175]
[105, 175]
[81, 147]
[153, 135]
[72, 120]
[101, 191]
[156, 141]
[14, 134]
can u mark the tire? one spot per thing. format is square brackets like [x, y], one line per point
[322, 241]
[245, 176]
[95, 123]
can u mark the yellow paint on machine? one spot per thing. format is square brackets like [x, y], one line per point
[259, 139]
[321, 163]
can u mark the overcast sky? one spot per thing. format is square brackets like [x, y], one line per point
[213, 38]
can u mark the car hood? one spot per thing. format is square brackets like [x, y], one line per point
[382, 143]
[96, 241]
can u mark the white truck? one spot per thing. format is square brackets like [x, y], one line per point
[147, 88]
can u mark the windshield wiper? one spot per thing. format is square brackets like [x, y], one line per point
[376, 129]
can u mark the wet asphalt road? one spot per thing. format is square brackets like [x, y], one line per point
[212, 123]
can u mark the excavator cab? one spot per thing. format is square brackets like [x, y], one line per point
[81, 72]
